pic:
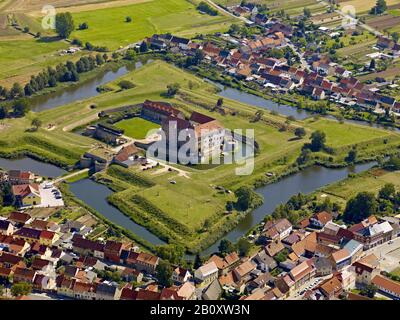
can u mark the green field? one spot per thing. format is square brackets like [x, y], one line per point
[343, 134]
[136, 128]
[370, 181]
[107, 27]
[19, 59]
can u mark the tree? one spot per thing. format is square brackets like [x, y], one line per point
[16, 90]
[360, 207]
[64, 24]
[379, 8]
[126, 84]
[220, 102]
[393, 163]
[300, 133]
[83, 26]
[21, 289]
[164, 273]
[128, 19]
[387, 192]
[172, 253]
[352, 156]
[245, 196]
[369, 291]
[372, 64]
[197, 262]
[130, 55]
[243, 247]
[173, 89]
[304, 157]
[143, 47]
[36, 123]
[21, 107]
[226, 247]
[307, 13]
[318, 139]
[395, 36]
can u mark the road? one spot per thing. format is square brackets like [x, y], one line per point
[300, 55]
[347, 17]
[70, 175]
[211, 3]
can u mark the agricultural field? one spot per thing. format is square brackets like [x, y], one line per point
[107, 27]
[363, 6]
[21, 58]
[136, 128]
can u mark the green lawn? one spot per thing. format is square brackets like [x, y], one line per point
[371, 181]
[107, 27]
[339, 135]
[136, 128]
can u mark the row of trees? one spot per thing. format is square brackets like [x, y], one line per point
[365, 204]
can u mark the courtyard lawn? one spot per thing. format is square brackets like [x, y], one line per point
[136, 128]
[107, 27]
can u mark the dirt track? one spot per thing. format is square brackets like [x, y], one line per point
[35, 6]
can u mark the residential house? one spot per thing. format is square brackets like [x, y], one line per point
[28, 234]
[207, 273]
[323, 266]
[17, 177]
[387, 286]
[14, 245]
[107, 291]
[147, 262]
[264, 261]
[6, 228]
[24, 275]
[226, 263]
[87, 247]
[320, 219]
[27, 195]
[279, 229]
[303, 273]
[366, 269]
[373, 234]
[355, 249]
[213, 291]
[84, 291]
[48, 238]
[19, 218]
[340, 259]
[243, 270]
[127, 156]
[274, 247]
[11, 261]
[112, 251]
[181, 275]
[331, 288]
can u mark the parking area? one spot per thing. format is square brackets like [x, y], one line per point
[388, 254]
[51, 196]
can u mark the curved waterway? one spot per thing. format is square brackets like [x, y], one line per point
[82, 90]
[306, 181]
[29, 164]
[253, 100]
[95, 195]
